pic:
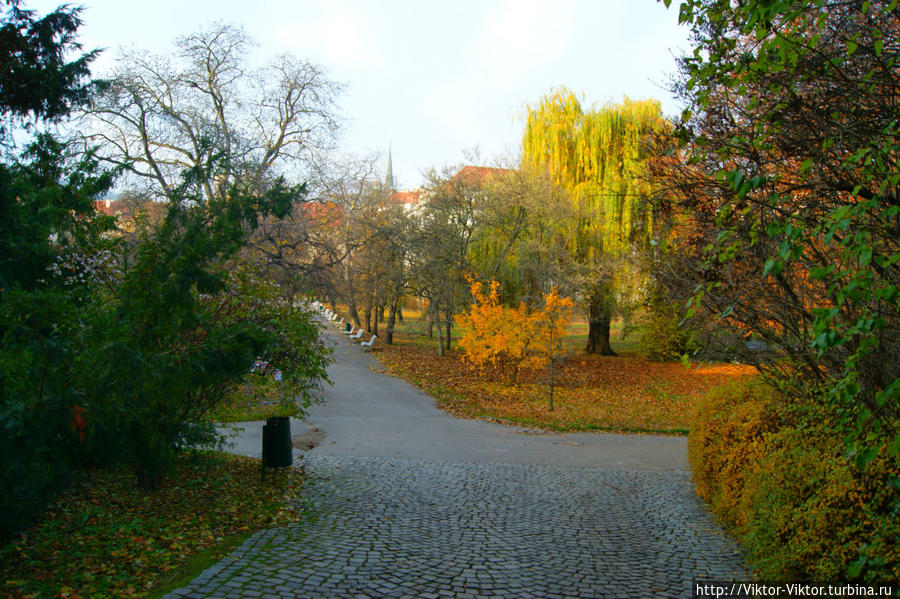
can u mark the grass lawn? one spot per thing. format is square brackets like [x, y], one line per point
[258, 400]
[624, 393]
[105, 537]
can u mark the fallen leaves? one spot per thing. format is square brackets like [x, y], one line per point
[624, 393]
[105, 537]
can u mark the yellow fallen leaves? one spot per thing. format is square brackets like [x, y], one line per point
[624, 393]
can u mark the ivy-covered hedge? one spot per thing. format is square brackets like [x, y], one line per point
[778, 478]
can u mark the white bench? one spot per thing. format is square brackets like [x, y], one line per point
[357, 334]
[367, 345]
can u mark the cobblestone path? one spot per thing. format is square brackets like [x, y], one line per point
[405, 500]
[387, 527]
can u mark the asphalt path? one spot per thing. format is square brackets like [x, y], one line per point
[370, 413]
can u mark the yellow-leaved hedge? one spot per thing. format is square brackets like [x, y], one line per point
[727, 443]
[783, 485]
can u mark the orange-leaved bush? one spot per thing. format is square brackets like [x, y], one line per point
[507, 339]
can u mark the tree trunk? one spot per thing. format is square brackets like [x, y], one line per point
[354, 313]
[351, 297]
[449, 327]
[147, 479]
[441, 350]
[598, 328]
[392, 319]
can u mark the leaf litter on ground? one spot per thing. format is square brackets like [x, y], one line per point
[623, 393]
[106, 537]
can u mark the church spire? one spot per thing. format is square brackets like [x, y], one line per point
[389, 177]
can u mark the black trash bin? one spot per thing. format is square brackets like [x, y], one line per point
[348, 327]
[277, 451]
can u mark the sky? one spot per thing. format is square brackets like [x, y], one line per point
[434, 80]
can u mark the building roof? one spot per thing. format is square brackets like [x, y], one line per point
[125, 210]
[478, 175]
[406, 197]
[111, 207]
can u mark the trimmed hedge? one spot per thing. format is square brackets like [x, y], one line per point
[726, 445]
[783, 485]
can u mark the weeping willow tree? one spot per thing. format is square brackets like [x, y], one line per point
[599, 157]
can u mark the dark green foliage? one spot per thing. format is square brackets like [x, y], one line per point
[111, 351]
[36, 80]
[788, 172]
[46, 220]
[159, 362]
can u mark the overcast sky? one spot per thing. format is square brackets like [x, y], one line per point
[432, 78]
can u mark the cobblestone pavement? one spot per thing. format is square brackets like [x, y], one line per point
[391, 527]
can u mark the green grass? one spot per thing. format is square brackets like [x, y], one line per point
[575, 340]
[196, 564]
[258, 400]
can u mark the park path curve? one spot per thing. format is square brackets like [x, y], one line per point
[408, 501]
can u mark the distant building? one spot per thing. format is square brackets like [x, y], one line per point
[111, 207]
[476, 176]
[322, 213]
[127, 211]
[410, 200]
[389, 175]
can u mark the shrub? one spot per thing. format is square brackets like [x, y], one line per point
[511, 338]
[727, 443]
[815, 516]
[776, 474]
[665, 338]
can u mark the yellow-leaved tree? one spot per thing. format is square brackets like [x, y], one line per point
[549, 328]
[600, 157]
[509, 339]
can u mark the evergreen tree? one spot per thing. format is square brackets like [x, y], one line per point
[47, 227]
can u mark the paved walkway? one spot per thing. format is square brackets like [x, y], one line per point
[407, 501]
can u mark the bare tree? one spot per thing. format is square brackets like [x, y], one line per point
[522, 242]
[204, 109]
[448, 228]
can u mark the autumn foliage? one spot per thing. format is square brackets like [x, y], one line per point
[787, 491]
[507, 339]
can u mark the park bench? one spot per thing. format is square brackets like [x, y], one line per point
[357, 334]
[367, 345]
